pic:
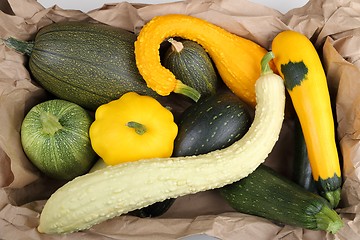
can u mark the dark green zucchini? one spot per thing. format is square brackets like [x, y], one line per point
[86, 63]
[267, 194]
[213, 123]
[302, 173]
[191, 64]
[154, 210]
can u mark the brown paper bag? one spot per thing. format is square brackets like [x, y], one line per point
[333, 28]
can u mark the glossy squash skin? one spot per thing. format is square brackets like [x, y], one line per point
[299, 64]
[214, 122]
[236, 58]
[268, 194]
[301, 170]
[86, 63]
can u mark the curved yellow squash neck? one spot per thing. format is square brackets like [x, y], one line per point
[236, 58]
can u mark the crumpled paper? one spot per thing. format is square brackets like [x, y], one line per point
[333, 27]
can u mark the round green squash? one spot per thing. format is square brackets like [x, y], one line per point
[54, 136]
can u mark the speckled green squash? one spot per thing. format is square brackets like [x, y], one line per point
[85, 63]
[267, 194]
[213, 123]
[54, 136]
[301, 170]
[191, 64]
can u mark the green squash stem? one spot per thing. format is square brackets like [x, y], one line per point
[139, 128]
[333, 196]
[328, 220]
[20, 46]
[50, 123]
[265, 67]
[186, 90]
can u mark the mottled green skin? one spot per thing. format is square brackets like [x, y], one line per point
[294, 74]
[267, 194]
[193, 67]
[64, 151]
[86, 63]
[302, 172]
[213, 123]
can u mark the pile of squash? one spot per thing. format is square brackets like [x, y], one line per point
[133, 122]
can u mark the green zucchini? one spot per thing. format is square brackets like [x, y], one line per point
[154, 210]
[302, 173]
[214, 122]
[55, 138]
[267, 194]
[86, 63]
[191, 64]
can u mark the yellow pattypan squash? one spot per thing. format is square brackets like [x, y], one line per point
[131, 128]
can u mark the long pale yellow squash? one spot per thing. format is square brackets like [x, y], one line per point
[236, 58]
[299, 64]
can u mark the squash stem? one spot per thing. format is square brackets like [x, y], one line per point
[19, 46]
[176, 45]
[333, 197]
[328, 219]
[186, 90]
[50, 123]
[139, 128]
[265, 67]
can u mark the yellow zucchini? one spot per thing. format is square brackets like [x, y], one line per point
[236, 58]
[299, 64]
[115, 190]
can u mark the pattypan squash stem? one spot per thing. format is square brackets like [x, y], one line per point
[139, 128]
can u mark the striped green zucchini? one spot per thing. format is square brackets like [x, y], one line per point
[86, 63]
[302, 173]
[267, 194]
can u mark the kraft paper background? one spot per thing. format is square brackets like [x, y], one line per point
[334, 28]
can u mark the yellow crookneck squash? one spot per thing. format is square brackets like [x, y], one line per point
[132, 127]
[236, 58]
[300, 66]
